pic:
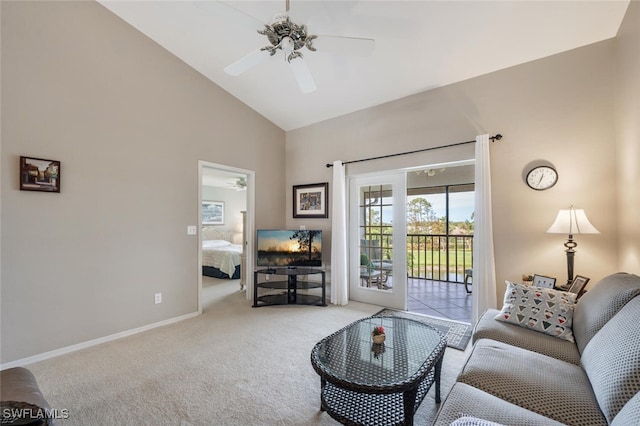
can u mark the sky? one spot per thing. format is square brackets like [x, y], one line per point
[461, 205]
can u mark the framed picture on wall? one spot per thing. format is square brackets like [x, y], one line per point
[542, 281]
[311, 201]
[213, 212]
[37, 174]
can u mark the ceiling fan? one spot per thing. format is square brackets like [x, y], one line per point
[239, 184]
[285, 35]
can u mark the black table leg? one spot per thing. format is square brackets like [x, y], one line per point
[437, 377]
[409, 402]
[323, 382]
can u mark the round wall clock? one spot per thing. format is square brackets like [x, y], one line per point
[541, 177]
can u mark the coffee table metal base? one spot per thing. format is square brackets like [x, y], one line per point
[360, 409]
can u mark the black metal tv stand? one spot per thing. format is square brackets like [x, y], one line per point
[275, 290]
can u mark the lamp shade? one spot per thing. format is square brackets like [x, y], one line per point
[572, 221]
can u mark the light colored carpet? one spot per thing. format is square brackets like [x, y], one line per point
[233, 365]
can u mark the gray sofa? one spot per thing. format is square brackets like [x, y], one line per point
[21, 402]
[518, 376]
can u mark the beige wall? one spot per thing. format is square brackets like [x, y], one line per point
[559, 109]
[628, 138]
[129, 122]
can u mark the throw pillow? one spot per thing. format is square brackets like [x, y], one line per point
[541, 309]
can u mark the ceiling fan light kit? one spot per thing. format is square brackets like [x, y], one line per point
[288, 36]
[284, 34]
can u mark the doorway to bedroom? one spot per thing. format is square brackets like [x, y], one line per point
[225, 223]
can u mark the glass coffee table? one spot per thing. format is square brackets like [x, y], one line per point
[363, 383]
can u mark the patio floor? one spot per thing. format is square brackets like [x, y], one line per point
[439, 299]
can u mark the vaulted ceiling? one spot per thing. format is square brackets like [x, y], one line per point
[419, 45]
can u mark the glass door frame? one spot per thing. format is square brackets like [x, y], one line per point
[394, 296]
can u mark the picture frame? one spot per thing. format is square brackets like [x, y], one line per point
[212, 212]
[543, 281]
[38, 174]
[578, 284]
[311, 201]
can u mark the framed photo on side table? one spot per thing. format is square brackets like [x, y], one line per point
[542, 281]
[311, 201]
[578, 284]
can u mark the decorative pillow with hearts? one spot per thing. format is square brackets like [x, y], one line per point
[541, 309]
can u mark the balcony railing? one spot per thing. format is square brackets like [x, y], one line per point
[439, 257]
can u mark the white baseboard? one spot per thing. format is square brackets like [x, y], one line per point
[62, 351]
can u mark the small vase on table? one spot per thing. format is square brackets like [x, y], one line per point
[377, 335]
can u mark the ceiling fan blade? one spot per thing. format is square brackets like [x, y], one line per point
[233, 7]
[303, 75]
[355, 46]
[246, 63]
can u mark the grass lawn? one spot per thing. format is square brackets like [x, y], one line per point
[433, 264]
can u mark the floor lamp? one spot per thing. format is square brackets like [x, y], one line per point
[569, 222]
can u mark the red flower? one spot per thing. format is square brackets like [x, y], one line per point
[378, 330]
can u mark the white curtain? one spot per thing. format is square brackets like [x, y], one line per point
[484, 274]
[339, 283]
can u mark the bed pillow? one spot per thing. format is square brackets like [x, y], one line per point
[541, 309]
[215, 243]
[214, 233]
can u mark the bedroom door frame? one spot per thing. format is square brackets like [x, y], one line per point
[249, 226]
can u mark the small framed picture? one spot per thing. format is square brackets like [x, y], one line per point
[213, 212]
[37, 174]
[311, 201]
[542, 281]
[578, 284]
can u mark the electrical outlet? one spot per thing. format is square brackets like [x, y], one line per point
[158, 298]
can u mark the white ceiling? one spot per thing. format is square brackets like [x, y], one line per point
[419, 45]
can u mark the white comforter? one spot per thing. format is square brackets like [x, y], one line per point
[222, 255]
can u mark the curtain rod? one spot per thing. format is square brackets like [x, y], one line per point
[493, 139]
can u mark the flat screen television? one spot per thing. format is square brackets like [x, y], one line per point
[287, 247]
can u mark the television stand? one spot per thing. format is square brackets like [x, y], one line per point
[274, 289]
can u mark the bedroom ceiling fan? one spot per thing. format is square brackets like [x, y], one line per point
[285, 35]
[240, 184]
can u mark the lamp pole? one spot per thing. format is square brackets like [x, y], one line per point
[570, 245]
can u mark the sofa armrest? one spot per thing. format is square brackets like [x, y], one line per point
[21, 395]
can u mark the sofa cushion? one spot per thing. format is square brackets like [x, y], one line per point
[545, 310]
[550, 387]
[488, 328]
[466, 400]
[630, 413]
[601, 303]
[612, 360]
[473, 421]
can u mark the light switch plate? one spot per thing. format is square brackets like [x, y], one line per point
[192, 230]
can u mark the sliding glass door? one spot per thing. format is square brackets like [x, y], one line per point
[377, 240]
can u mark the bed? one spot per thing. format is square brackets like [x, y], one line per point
[220, 257]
